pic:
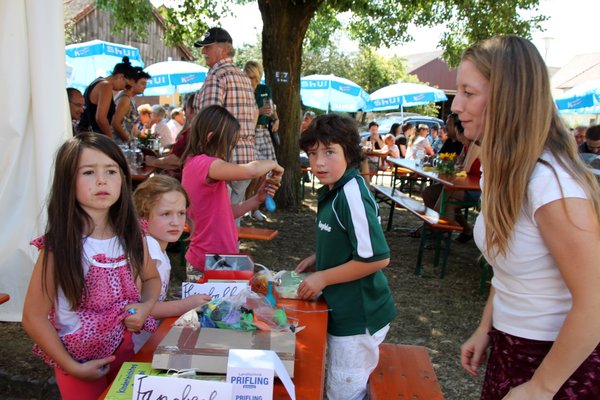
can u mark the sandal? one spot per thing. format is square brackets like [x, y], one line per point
[463, 237]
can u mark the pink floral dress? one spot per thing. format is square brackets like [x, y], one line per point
[109, 287]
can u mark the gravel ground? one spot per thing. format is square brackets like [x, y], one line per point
[436, 313]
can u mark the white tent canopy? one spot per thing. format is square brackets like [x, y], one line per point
[36, 121]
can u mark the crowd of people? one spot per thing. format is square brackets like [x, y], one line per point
[99, 285]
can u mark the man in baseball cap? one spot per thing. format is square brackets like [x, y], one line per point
[229, 87]
[214, 35]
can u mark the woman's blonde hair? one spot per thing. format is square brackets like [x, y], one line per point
[520, 123]
[254, 70]
[144, 109]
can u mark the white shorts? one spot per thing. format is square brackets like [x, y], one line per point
[350, 361]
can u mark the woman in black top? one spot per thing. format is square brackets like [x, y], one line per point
[99, 103]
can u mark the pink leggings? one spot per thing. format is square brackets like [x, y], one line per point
[73, 388]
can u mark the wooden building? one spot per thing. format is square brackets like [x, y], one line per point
[434, 71]
[89, 23]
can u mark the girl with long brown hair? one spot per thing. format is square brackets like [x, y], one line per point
[83, 301]
[206, 171]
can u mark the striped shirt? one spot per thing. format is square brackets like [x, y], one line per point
[229, 87]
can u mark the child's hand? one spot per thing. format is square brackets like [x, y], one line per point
[269, 185]
[93, 369]
[308, 264]
[196, 301]
[137, 314]
[277, 172]
[311, 286]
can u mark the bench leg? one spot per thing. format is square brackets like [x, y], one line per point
[424, 233]
[391, 217]
[446, 254]
[437, 236]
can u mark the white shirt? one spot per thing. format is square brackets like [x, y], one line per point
[67, 320]
[163, 132]
[418, 144]
[163, 265]
[175, 127]
[531, 299]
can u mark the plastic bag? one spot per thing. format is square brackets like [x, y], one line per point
[245, 311]
[288, 282]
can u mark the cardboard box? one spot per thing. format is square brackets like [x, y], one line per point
[122, 386]
[206, 349]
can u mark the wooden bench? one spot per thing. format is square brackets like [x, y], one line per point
[4, 297]
[251, 233]
[404, 372]
[244, 232]
[434, 226]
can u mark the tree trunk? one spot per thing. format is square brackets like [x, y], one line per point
[284, 26]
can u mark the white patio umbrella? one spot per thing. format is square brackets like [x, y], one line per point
[404, 94]
[171, 76]
[97, 58]
[330, 92]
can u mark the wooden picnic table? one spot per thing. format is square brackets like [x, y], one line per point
[449, 182]
[142, 173]
[309, 364]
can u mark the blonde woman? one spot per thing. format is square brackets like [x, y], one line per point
[539, 229]
[142, 124]
[418, 145]
[263, 144]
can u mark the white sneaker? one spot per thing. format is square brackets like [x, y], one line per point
[257, 215]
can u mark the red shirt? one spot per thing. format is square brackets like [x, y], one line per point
[181, 142]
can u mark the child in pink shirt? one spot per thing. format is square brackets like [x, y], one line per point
[206, 171]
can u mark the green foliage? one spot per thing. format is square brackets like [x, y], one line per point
[367, 68]
[474, 20]
[190, 19]
[321, 28]
[132, 14]
[249, 52]
[386, 22]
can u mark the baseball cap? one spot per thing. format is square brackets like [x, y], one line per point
[214, 35]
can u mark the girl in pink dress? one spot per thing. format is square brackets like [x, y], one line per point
[206, 171]
[83, 300]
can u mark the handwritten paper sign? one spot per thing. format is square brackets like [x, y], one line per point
[169, 388]
[214, 289]
[251, 372]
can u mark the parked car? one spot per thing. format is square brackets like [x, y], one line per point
[385, 122]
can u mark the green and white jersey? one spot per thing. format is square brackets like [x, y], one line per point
[349, 228]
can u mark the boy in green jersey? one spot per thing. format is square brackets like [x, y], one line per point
[351, 252]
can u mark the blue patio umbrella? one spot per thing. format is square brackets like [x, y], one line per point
[97, 58]
[404, 94]
[581, 99]
[170, 76]
[332, 93]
